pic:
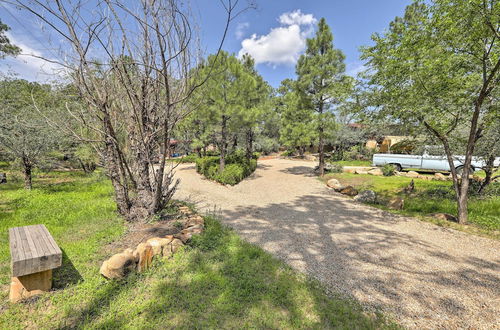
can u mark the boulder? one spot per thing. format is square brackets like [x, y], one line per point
[184, 210]
[439, 176]
[376, 171]
[396, 203]
[186, 234]
[367, 196]
[176, 245]
[310, 157]
[360, 172]
[349, 191]
[172, 247]
[412, 174]
[195, 220]
[131, 252]
[157, 244]
[144, 254]
[118, 266]
[349, 169]
[444, 216]
[335, 184]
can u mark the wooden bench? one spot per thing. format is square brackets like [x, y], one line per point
[34, 254]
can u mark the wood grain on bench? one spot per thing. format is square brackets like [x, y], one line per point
[33, 250]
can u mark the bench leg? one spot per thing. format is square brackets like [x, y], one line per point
[29, 285]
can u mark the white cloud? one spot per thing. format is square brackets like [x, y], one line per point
[296, 17]
[283, 44]
[354, 68]
[240, 29]
[29, 64]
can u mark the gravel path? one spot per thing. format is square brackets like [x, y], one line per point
[424, 275]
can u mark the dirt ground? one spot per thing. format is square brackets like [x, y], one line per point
[423, 275]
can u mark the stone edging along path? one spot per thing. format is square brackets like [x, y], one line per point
[140, 258]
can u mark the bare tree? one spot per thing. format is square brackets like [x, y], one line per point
[135, 69]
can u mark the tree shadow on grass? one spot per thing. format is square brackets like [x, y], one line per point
[243, 287]
[66, 275]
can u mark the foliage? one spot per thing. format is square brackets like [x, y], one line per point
[238, 167]
[355, 152]
[297, 126]
[437, 67]
[24, 134]
[404, 147]
[322, 83]
[87, 157]
[185, 159]
[235, 109]
[134, 86]
[336, 168]
[388, 170]
[6, 47]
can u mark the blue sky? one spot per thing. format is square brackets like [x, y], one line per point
[274, 33]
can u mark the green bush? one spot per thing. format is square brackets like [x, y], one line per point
[237, 168]
[188, 158]
[232, 174]
[388, 170]
[204, 163]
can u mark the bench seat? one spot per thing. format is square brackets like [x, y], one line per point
[34, 254]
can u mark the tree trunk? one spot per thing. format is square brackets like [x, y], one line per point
[27, 174]
[321, 142]
[223, 144]
[116, 172]
[249, 143]
[488, 170]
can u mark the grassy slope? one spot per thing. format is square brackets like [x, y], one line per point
[220, 281]
[483, 213]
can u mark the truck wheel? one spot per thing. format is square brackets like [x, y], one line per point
[397, 167]
[460, 170]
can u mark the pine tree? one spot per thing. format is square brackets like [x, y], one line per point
[322, 82]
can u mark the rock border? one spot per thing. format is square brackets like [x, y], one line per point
[140, 259]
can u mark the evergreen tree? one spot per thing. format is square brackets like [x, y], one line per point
[297, 127]
[322, 82]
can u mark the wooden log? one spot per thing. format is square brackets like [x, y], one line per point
[22, 287]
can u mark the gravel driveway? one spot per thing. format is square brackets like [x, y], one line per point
[425, 276]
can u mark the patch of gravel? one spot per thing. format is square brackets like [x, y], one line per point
[425, 276]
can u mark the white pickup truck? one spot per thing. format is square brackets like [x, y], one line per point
[427, 162]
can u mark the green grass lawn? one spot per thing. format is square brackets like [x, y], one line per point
[430, 197]
[219, 281]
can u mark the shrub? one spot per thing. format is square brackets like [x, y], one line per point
[388, 170]
[204, 163]
[188, 158]
[232, 174]
[336, 168]
[237, 168]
